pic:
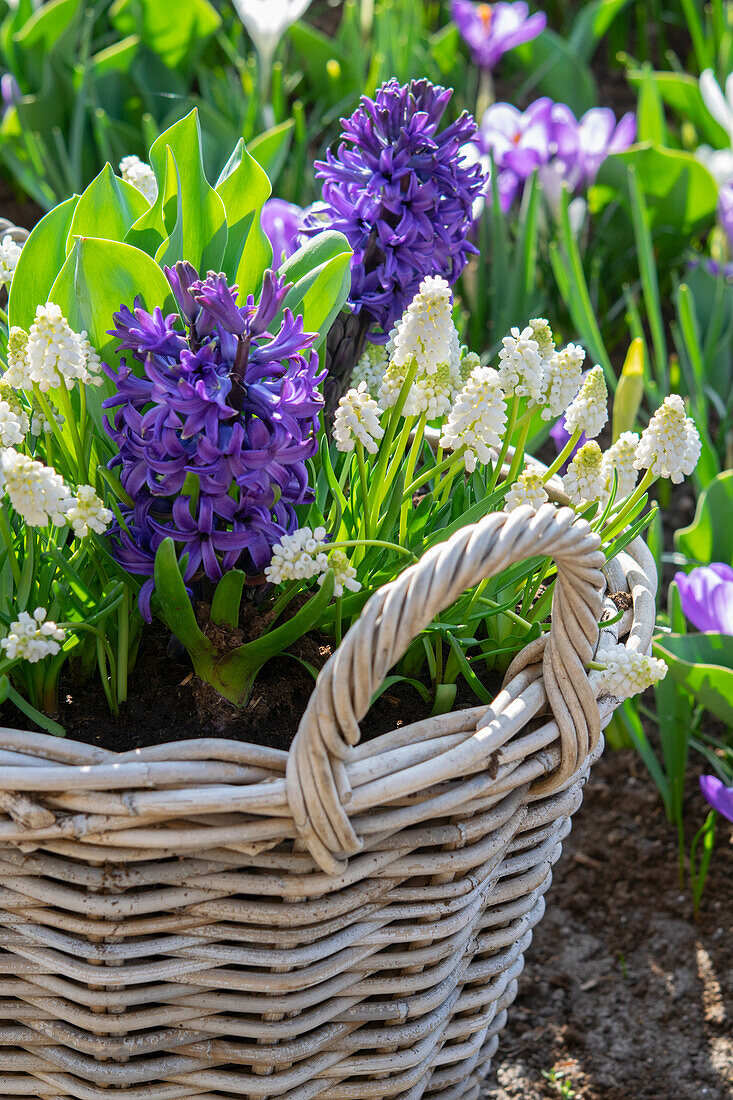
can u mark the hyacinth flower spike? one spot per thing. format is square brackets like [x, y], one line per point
[213, 428]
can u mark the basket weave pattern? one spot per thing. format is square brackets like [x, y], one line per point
[206, 920]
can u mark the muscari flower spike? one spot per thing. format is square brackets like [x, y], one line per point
[214, 427]
[402, 193]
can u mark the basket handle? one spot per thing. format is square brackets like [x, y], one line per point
[400, 610]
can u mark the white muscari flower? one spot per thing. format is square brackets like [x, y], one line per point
[542, 334]
[357, 418]
[584, 481]
[478, 418]
[628, 673]
[18, 374]
[140, 175]
[371, 367]
[344, 574]
[87, 513]
[563, 376]
[33, 637]
[521, 364]
[620, 457]
[469, 362]
[588, 412]
[529, 488]
[40, 422]
[670, 446]
[298, 557]
[37, 493]
[425, 332]
[57, 355]
[10, 252]
[13, 425]
[431, 392]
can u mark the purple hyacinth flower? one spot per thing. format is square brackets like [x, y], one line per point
[718, 795]
[402, 194]
[213, 429]
[281, 222]
[490, 30]
[706, 594]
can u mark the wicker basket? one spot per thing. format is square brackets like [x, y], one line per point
[210, 919]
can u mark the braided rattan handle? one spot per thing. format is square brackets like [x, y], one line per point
[396, 614]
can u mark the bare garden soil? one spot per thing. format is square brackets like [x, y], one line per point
[625, 996]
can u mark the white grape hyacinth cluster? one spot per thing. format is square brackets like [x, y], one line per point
[561, 380]
[521, 366]
[628, 673]
[357, 420]
[10, 252]
[588, 412]
[87, 513]
[371, 367]
[529, 489]
[13, 424]
[37, 493]
[620, 458]
[425, 338]
[33, 637]
[305, 554]
[584, 481]
[58, 356]
[670, 446]
[478, 418]
[140, 175]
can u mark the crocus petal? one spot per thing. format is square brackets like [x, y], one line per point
[707, 598]
[715, 101]
[718, 795]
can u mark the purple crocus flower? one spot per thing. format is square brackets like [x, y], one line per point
[548, 138]
[281, 222]
[402, 194]
[718, 795]
[213, 425]
[490, 30]
[706, 594]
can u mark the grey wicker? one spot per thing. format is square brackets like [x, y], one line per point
[212, 920]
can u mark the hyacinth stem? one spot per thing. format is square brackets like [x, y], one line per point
[385, 448]
[410, 472]
[7, 538]
[518, 458]
[617, 523]
[68, 412]
[564, 455]
[511, 422]
[55, 428]
[123, 645]
[364, 485]
[453, 460]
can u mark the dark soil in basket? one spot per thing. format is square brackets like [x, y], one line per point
[625, 996]
[17, 207]
[168, 703]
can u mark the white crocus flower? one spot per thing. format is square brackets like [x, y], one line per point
[719, 104]
[266, 21]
